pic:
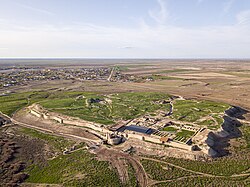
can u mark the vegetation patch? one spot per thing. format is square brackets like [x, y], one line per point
[13, 102]
[58, 143]
[160, 171]
[161, 77]
[224, 166]
[185, 133]
[177, 71]
[192, 110]
[106, 109]
[170, 129]
[132, 178]
[246, 135]
[79, 168]
[204, 181]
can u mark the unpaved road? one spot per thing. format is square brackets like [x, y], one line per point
[195, 172]
[114, 158]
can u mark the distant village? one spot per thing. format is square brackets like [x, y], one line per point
[19, 76]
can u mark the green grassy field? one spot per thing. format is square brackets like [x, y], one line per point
[170, 129]
[162, 77]
[13, 102]
[204, 181]
[9, 104]
[160, 171]
[224, 170]
[121, 106]
[132, 178]
[76, 169]
[185, 133]
[113, 107]
[191, 110]
[79, 168]
[224, 166]
[58, 143]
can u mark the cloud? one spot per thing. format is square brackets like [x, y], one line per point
[34, 9]
[160, 15]
[89, 40]
[243, 18]
[227, 6]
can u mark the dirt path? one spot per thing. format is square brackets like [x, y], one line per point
[118, 161]
[141, 175]
[170, 180]
[196, 172]
[185, 177]
[71, 132]
[111, 74]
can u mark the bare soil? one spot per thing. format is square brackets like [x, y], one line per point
[118, 161]
[18, 151]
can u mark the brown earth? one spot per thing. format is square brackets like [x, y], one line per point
[118, 161]
[17, 151]
[225, 81]
[25, 119]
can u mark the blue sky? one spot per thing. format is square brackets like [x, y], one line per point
[125, 28]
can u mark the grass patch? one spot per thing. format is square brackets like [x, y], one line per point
[176, 70]
[13, 102]
[206, 122]
[79, 168]
[245, 129]
[170, 129]
[160, 171]
[162, 77]
[224, 166]
[185, 133]
[123, 106]
[132, 178]
[192, 110]
[58, 143]
[204, 181]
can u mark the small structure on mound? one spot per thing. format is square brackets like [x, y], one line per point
[114, 139]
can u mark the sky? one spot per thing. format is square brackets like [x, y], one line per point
[124, 28]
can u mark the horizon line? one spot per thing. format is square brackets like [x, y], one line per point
[114, 58]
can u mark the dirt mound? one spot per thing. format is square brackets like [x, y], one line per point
[17, 152]
[11, 169]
